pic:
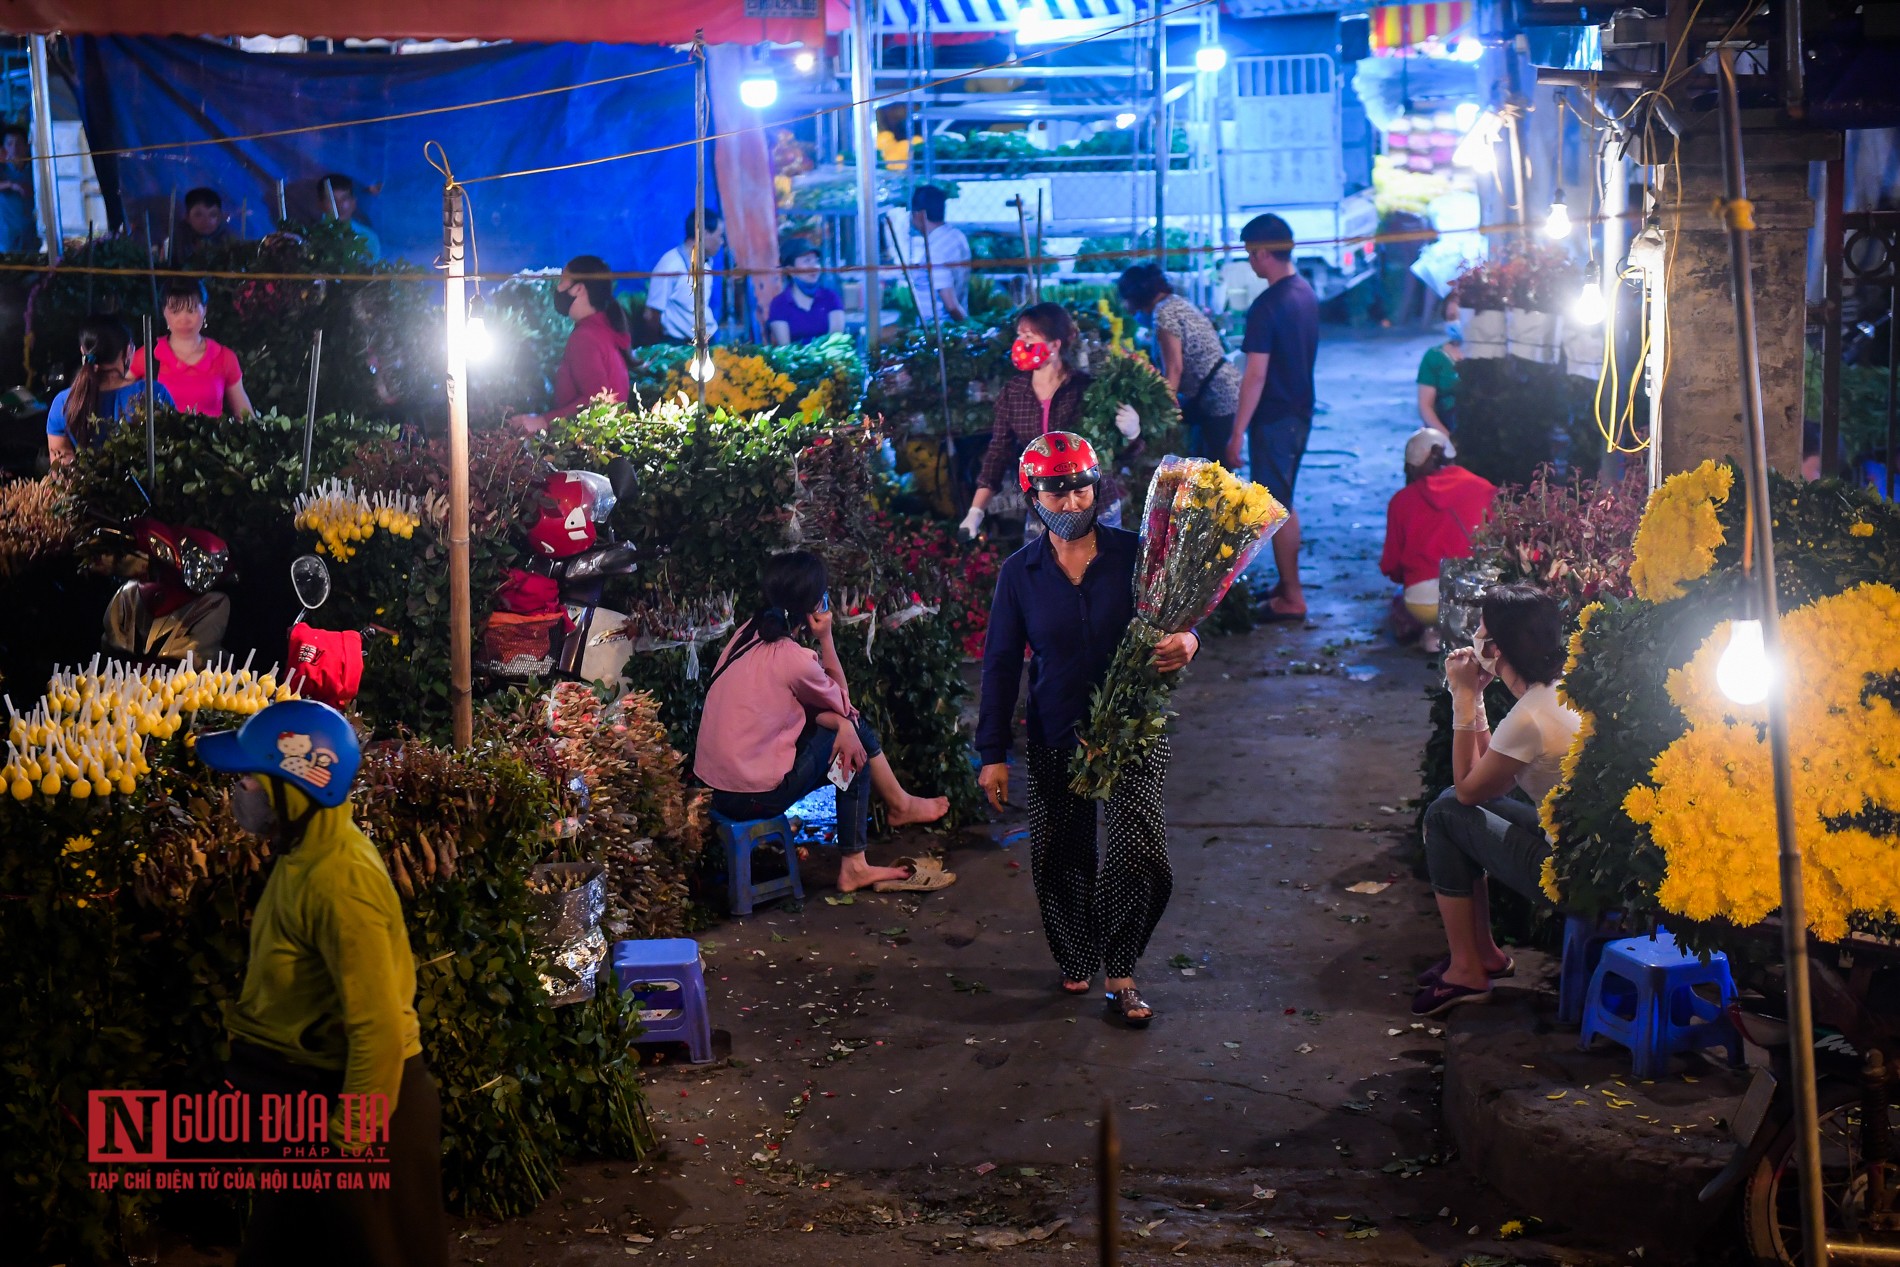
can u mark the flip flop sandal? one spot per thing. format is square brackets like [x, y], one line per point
[1437, 970]
[1269, 614]
[1441, 997]
[1122, 1002]
[922, 879]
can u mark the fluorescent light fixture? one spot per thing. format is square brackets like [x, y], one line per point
[1476, 151]
[1210, 59]
[759, 89]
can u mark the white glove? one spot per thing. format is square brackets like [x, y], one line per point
[971, 522]
[1127, 421]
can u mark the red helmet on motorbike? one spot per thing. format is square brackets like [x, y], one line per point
[571, 503]
[1058, 462]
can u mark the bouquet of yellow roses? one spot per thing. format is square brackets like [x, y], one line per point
[1203, 525]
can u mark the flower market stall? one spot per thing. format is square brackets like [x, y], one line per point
[1663, 810]
[1527, 385]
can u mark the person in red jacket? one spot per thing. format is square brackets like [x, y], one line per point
[1428, 521]
[595, 359]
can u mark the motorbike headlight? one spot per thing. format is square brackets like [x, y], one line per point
[201, 567]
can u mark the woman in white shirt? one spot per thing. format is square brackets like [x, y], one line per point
[1478, 827]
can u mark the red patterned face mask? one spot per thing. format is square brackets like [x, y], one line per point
[1027, 355]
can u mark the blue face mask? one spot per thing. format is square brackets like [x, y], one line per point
[809, 287]
[1070, 525]
[1455, 331]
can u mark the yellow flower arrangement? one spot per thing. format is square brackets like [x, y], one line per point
[1679, 533]
[740, 384]
[820, 402]
[1567, 771]
[342, 516]
[86, 736]
[1707, 803]
[1575, 657]
[1547, 881]
[1116, 326]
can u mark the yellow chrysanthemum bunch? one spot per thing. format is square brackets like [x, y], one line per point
[342, 516]
[740, 384]
[821, 401]
[1239, 503]
[1707, 803]
[87, 733]
[1677, 539]
[1116, 326]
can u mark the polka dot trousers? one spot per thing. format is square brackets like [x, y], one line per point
[1098, 914]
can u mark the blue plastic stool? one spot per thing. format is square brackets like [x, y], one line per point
[1642, 995]
[666, 977]
[739, 838]
[1584, 939]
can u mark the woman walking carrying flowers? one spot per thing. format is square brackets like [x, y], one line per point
[1069, 597]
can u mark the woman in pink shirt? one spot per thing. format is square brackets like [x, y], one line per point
[201, 374]
[595, 358]
[778, 717]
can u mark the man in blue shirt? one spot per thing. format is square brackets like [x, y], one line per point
[1276, 393]
[18, 232]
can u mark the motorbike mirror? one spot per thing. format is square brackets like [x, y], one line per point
[624, 477]
[310, 577]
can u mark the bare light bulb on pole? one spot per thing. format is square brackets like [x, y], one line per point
[1476, 151]
[477, 343]
[1557, 223]
[759, 89]
[804, 61]
[701, 367]
[1210, 59]
[1744, 672]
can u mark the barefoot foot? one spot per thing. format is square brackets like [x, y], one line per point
[855, 873]
[917, 809]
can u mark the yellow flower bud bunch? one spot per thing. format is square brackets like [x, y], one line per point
[344, 516]
[86, 736]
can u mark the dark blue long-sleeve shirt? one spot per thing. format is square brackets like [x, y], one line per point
[1072, 629]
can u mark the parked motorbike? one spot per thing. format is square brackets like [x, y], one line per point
[323, 664]
[170, 608]
[1857, 1089]
[551, 621]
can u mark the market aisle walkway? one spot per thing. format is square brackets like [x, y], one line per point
[905, 1078]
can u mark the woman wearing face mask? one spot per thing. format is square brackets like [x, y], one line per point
[328, 1001]
[1438, 375]
[1069, 597]
[1486, 823]
[201, 374]
[804, 310]
[595, 359]
[1045, 397]
[778, 720]
[103, 392]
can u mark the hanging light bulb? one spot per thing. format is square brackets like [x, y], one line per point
[1210, 59]
[1126, 119]
[477, 342]
[701, 367]
[1744, 672]
[804, 61]
[1557, 224]
[1590, 308]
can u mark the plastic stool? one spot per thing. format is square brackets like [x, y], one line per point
[740, 837]
[1584, 938]
[666, 977]
[1642, 995]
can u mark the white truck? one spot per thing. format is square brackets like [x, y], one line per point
[1284, 155]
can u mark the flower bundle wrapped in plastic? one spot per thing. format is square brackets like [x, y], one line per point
[1203, 525]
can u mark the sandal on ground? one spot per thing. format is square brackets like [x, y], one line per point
[1441, 997]
[926, 876]
[1123, 1002]
[1270, 611]
[1437, 970]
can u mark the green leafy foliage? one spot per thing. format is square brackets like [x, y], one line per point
[1863, 408]
[1516, 415]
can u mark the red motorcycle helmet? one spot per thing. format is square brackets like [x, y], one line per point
[569, 501]
[1058, 462]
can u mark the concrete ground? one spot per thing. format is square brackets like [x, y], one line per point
[905, 1080]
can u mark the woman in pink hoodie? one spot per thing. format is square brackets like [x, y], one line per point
[595, 359]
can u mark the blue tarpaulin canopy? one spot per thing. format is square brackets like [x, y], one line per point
[137, 92]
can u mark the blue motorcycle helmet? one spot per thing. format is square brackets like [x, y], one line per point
[308, 745]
